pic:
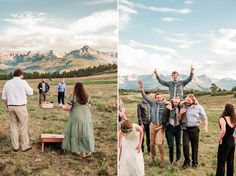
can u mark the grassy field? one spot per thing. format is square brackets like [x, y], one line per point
[208, 141]
[53, 162]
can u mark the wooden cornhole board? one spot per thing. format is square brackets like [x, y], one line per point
[50, 138]
[46, 105]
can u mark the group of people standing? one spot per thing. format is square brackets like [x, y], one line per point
[44, 87]
[172, 119]
[78, 137]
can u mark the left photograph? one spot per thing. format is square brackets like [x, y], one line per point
[58, 84]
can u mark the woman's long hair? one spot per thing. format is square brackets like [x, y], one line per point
[229, 111]
[193, 98]
[80, 93]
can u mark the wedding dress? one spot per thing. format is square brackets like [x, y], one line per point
[131, 162]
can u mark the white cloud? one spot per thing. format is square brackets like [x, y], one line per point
[188, 2]
[95, 22]
[224, 42]
[179, 34]
[141, 60]
[96, 2]
[158, 31]
[182, 40]
[26, 18]
[38, 32]
[154, 47]
[170, 19]
[134, 60]
[164, 9]
[126, 11]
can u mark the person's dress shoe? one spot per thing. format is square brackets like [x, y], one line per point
[15, 150]
[29, 148]
[185, 166]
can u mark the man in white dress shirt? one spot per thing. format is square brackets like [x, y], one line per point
[14, 95]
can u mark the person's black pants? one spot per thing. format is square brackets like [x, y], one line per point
[191, 134]
[146, 130]
[61, 96]
[171, 134]
[225, 154]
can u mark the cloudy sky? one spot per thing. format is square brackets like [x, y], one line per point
[175, 34]
[61, 25]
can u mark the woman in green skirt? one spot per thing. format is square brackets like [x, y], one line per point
[78, 136]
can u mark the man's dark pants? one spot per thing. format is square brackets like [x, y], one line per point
[146, 130]
[171, 134]
[191, 134]
[61, 96]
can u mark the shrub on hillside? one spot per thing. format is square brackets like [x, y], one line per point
[235, 94]
[196, 92]
[222, 93]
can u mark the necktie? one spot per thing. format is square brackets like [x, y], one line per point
[175, 119]
[158, 109]
[174, 90]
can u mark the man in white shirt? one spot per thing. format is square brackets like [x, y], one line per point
[14, 95]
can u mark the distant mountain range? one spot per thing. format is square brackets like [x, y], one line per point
[50, 61]
[202, 82]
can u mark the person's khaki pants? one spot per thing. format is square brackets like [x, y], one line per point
[156, 135]
[42, 97]
[19, 127]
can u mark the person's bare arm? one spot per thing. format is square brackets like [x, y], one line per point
[223, 129]
[205, 125]
[205, 119]
[66, 107]
[119, 144]
[140, 130]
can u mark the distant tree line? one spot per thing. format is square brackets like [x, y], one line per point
[214, 91]
[95, 70]
[217, 91]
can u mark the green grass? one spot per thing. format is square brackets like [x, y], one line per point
[208, 141]
[53, 161]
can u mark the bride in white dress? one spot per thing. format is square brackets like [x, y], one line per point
[130, 153]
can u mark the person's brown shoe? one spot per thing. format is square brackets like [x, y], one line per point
[162, 163]
[15, 150]
[152, 157]
[29, 148]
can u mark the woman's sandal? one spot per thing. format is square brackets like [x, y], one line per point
[83, 154]
[88, 154]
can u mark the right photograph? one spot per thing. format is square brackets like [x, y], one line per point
[177, 88]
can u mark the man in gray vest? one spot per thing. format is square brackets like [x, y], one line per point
[175, 86]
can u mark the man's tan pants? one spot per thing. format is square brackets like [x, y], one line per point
[19, 127]
[157, 135]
